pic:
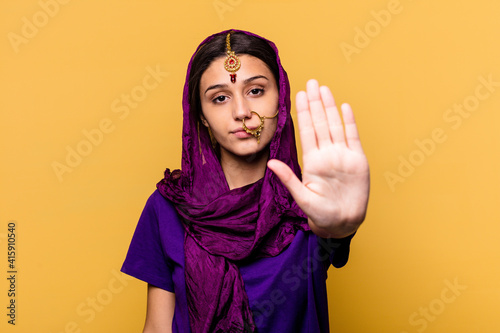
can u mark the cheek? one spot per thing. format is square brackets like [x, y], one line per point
[209, 118]
[216, 125]
[269, 129]
[273, 126]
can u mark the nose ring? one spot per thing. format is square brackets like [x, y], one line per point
[257, 132]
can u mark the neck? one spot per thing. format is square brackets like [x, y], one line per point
[243, 170]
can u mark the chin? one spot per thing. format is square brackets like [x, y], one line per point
[249, 150]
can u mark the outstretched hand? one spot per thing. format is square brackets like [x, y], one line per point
[335, 175]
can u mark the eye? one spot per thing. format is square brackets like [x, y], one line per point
[256, 91]
[219, 99]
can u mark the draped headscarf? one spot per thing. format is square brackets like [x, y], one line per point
[225, 227]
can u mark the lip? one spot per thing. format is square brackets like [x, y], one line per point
[241, 133]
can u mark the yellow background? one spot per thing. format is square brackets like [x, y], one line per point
[438, 225]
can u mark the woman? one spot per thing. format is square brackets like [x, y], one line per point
[240, 240]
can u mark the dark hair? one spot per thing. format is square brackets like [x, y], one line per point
[241, 44]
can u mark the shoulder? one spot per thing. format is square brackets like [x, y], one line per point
[160, 207]
[159, 230]
[159, 217]
[159, 202]
[169, 224]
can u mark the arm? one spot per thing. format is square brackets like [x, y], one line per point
[160, 310]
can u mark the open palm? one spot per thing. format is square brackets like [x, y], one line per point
[335, 176]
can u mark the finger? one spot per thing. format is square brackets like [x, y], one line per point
[288, 178]
[351, 130]
[318, 114]
[306, 129]
[333, 116]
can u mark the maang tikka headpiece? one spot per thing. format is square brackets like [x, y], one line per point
[232, 62]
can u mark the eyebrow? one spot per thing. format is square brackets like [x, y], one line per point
[224, 85]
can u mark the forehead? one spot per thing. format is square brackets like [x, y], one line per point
[250, 66]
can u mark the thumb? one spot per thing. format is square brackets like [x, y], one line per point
[288, 178]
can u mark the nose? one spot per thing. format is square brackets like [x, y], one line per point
[241, 109]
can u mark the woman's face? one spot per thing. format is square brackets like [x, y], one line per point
[225, 104]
